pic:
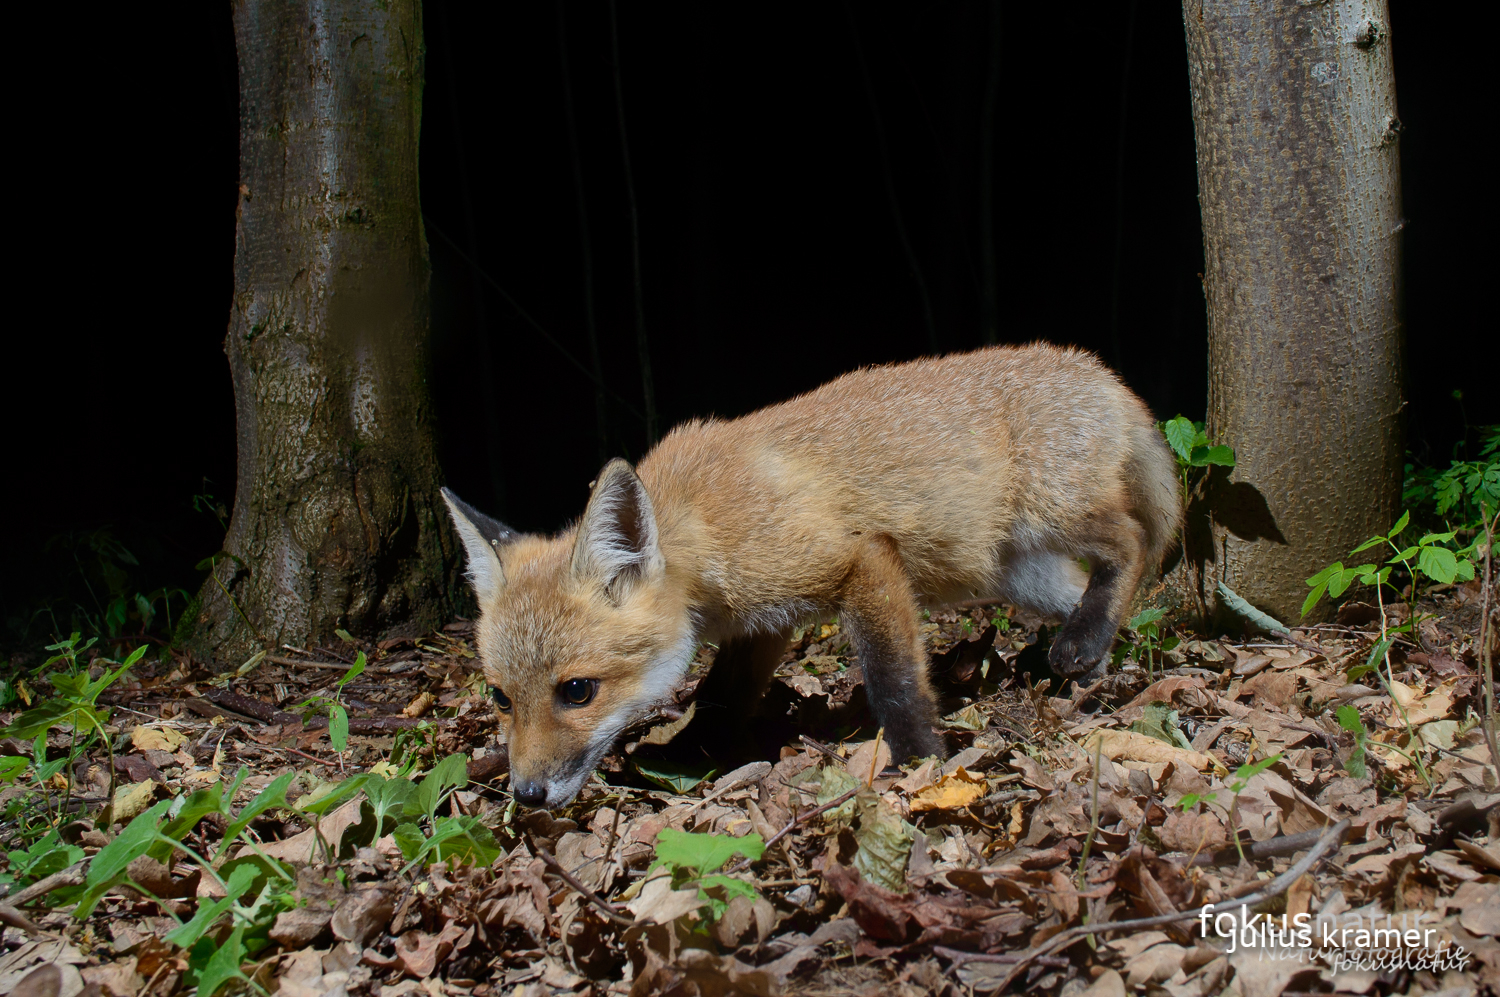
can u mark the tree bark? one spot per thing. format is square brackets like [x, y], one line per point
[337, 520]
[1294, 107]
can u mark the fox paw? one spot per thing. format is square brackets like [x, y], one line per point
[1078, 653]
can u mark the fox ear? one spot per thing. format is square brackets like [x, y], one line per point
[482, 537]
[617, 537]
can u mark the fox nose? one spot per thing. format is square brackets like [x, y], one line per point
[529, 791]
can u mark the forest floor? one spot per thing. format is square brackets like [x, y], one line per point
[242, 850]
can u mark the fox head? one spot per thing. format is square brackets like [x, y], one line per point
[578, 634]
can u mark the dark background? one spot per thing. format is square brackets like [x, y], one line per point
[772, 257]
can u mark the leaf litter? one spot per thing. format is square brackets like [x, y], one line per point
[244, 853]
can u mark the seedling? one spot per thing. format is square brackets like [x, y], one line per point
[1236, 786]
[1190, 445]
[693, 860]
[338, 717]
[1147, 627]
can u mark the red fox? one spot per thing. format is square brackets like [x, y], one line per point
[995, 474]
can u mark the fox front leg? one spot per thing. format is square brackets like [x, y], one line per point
[879, 612]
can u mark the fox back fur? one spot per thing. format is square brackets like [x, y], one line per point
[989, 474]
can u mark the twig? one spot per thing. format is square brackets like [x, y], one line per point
[959, 958]
[1329, 840]
[744, 864]
[298, 663]
[1286, 844]
[821, 747]
[604, 906]
[1484, 648]
[71, 876]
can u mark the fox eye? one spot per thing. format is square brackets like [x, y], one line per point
[501, 699]
[577, 692]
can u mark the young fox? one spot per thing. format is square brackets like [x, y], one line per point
[988, 474]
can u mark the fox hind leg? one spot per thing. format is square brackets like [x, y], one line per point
[878, 610]
[1081, 644]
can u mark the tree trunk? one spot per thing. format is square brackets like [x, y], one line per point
[1294, 107]
[337, 520]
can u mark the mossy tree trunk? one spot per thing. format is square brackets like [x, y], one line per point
[1294, 107]
[337, 519]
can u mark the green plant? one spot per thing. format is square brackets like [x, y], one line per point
[694, 860]
[338, 717]
[1146, 625]
[46, 855]
[1430, 556]
[1350, 721]
[1236, 786]
[74, 705]
[1194, 452]
[1459, 494]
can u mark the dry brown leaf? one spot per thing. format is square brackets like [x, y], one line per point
[131, 801]
[951, 792]
[658, 903]
[157, 739]
[1117, 745]
[868, 760]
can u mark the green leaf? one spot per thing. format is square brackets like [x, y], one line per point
[447, 775]
[678, 777]
[107, 870]
[1400, 525]
[1180, 434]
[338, 727]
[224, 964]
[1146, 616]
[355, 670]
[703, 853]
[410, 840]
[1438, 563]
[191, 811]
[1432, 538]
[1235, 602]
[321, 800]
[187, 935]
[388, 796]
[1248, 771]
[732, 887]
[1220, 455]
[1340, 582]
[1372, 542]
[273, 795]
[1378, 651]
[463, 839]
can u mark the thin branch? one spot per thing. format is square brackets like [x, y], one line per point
[1329, 840]
[959, 958]
[604, 906]
[744, 864]
[1484, 643]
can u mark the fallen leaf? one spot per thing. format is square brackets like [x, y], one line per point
[663, 733]
[951, 792]
[131, 801]
[867, 760]
[658, 903]
[362, 915]
[1129, 745]
[421, 953]
[157, 739]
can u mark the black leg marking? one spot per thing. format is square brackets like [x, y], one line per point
[1089, 632]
